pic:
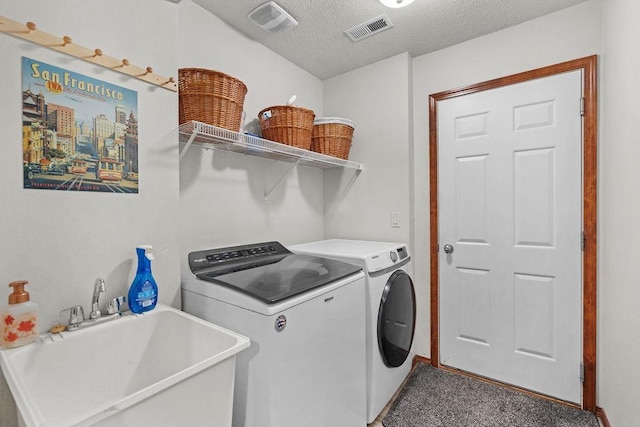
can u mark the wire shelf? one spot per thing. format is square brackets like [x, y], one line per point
[213, 137]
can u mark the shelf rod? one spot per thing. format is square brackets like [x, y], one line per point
[66, 45]
[188, 144]
[273, 187]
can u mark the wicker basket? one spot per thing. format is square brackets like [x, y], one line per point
[332, 136]
[210, 97]
[287, 124]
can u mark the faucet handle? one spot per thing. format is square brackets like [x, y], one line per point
[76, 315]
[114, 304]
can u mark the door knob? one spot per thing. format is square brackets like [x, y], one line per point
[448, 249]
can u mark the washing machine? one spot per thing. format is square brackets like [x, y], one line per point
[390, 313]
[305, 317]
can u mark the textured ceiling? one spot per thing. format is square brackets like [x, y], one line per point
[318, 44]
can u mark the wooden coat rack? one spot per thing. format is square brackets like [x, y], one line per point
[66, 45]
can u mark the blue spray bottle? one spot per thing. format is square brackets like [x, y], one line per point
[143, 293]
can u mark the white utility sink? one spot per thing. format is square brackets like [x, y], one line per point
[161, 368]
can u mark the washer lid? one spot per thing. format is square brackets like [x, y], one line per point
[271, 276]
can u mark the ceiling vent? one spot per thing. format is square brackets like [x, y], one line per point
[369, 28]
[272, 18]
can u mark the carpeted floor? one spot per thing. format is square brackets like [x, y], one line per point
[436, 398]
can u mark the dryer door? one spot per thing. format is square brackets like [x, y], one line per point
[396, 319]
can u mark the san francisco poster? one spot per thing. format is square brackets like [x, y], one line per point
[78, 133]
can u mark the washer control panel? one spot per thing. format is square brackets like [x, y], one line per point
[234, 257]
[239, 253]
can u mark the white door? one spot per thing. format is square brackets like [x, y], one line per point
[510, 186]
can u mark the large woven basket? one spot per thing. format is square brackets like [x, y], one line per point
[332, 136]
[288, 125]
[210, 97]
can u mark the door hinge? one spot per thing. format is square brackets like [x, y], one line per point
[583, 241]
[582, 372]
[582, 101]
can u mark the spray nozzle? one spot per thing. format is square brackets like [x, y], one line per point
[148, 251]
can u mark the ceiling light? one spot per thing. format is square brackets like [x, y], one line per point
[396, 3]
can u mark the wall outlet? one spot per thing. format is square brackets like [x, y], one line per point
[395, 219]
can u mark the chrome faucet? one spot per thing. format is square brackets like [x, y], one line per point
[98, 288]
[76, 313]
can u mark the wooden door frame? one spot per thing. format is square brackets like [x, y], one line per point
[589, 181]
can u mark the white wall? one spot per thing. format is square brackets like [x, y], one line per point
[377, 99]
[565, 35]
[62, 241]
[619, 296]
[222, 193]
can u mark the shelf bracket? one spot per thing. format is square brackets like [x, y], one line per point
[187, 145]
[273, 187]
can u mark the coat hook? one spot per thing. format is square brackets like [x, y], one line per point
[67, 40]
[97, 52]
[125, 62]
[171, 80]
[30, 26]
[148, 71]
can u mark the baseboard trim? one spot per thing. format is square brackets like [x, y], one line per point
[420, 359]
[602, 416]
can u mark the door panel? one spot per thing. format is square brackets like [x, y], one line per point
[534, 202]
[471, 187]
[510, 205]
[475, 296]
[533, 315]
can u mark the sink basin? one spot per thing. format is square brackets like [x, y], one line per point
[161, 368]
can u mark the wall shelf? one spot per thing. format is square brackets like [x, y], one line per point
[213, 137]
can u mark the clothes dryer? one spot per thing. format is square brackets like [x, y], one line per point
[390, 310]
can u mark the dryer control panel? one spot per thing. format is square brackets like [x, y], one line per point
[386, 259]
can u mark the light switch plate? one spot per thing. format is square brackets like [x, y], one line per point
[395, 219]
